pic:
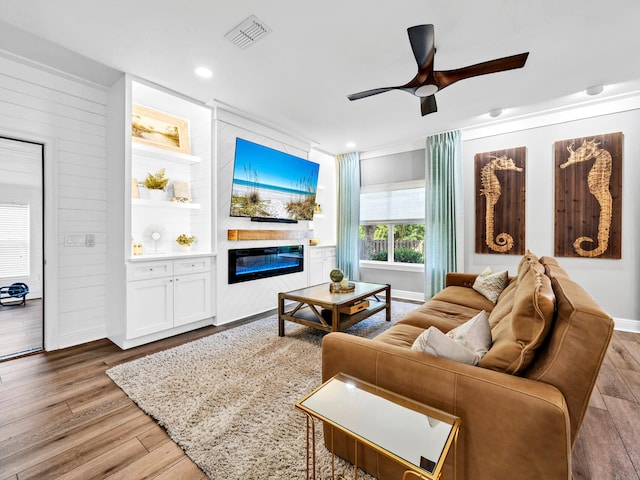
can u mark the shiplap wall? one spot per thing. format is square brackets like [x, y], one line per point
[248, 298]
[69, 117]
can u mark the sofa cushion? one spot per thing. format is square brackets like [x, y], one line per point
[440, 314]
[504, 305]
[491, 284]
[467, 343]
[517, 336]
[400, 335]
[523, 267]
[464, 296]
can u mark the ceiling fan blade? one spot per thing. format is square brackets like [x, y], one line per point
[428, 105]
[422, 39]
[368, 93]
[446, 78]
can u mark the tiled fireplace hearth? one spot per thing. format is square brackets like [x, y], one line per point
[252, 263]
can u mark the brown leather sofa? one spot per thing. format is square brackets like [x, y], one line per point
[522, 405]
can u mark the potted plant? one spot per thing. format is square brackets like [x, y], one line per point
[156, 182]
[185, 242]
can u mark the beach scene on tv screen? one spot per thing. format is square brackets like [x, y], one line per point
[268, 183]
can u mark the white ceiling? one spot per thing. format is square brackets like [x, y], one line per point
[297, 77]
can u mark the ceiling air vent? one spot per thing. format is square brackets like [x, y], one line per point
[248, 32]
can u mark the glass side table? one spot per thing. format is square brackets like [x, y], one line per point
[415, 435]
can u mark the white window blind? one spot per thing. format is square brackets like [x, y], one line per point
[392, 203]
[14, 240]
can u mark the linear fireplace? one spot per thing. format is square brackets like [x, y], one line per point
[251, 263]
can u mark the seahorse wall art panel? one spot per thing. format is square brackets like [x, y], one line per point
[588, 197]
[500, 201]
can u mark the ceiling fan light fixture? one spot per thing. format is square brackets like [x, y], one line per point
[496, 112]
[594, 90]
[426, 90]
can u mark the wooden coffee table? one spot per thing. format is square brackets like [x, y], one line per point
[310, 302]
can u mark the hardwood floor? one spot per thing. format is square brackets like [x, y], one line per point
[63, 418]
[21, 329]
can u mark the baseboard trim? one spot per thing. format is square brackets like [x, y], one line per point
[79, 338]
[407, 295]
[626, 325]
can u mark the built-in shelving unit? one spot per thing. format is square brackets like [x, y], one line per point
[157, 290]
[165, 217]
[142, 150]
[141, 202]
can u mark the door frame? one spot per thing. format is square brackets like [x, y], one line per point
[51, 338]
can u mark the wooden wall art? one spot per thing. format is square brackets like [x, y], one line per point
[500, 201]
[588, 197]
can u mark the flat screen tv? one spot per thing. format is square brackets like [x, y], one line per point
[272, 185]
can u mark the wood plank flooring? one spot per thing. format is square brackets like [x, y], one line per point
[61, 417]
[21, 329]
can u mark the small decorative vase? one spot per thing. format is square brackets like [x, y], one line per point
[155, 194]
[185, 248]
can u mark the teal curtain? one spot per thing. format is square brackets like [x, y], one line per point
[348, 228]
[442, 192]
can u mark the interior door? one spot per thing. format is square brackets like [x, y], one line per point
[21, 247]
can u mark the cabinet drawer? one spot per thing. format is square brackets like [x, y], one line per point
[322, 252]
[147, 270]
[191, 265]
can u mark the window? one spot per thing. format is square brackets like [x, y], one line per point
[392, 215]
[407, 240]
[14, 240]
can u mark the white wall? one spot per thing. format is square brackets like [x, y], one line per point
[613, 283]
[69, 117]
[324, 225]
[248, 298]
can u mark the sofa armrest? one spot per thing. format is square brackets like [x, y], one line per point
[455, 279]
[512, 427]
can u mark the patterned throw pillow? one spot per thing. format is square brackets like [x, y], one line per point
[467, 343]
[491, 284]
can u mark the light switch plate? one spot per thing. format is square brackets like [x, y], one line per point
[75, 239]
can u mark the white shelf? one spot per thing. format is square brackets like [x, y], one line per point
[158, 153]
[143, 202]
[169, 256]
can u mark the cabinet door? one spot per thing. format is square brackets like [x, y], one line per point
[316, 275]
[192, 297]
[327, 265]
[149, 306]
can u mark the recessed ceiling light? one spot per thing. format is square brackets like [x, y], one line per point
[496, 112]
[595, 90]
[204, 72]
[350, 144]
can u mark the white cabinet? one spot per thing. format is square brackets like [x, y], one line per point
[149, 306]
[155, 289]
[321, 261]
[162, 295]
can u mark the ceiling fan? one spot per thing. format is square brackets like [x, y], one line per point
[427, 81]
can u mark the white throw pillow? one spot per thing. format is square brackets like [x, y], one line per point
[491, 284]
[467, 343]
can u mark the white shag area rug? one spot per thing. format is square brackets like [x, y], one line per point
[228, 399]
